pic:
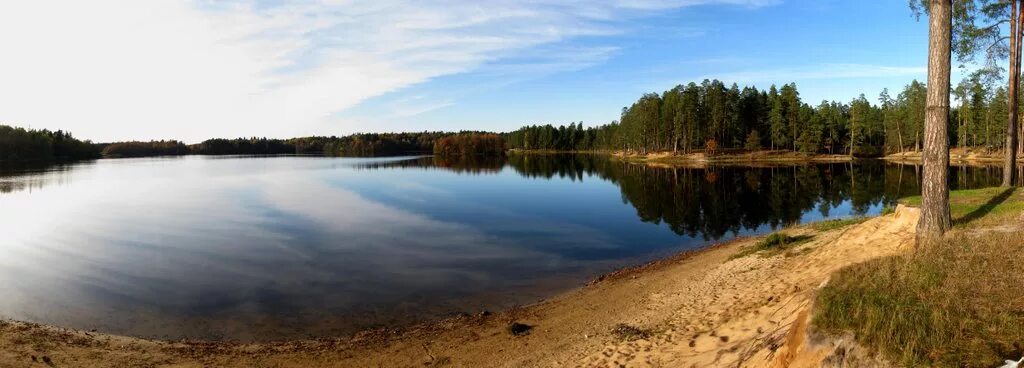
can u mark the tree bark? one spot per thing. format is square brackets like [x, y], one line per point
[1010, 162]
[935, 219]
[899, 133]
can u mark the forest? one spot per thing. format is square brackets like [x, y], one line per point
[355, 145]
[470, 144]
[143, 149]
[710, 115]
[26, 144]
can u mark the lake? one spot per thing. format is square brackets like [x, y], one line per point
[271, 248]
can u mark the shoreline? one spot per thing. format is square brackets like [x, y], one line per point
[575, 327]
[956, 156]
[700, 157]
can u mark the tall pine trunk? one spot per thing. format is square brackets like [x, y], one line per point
[1010, 163]
[935, 219]
[899, 133]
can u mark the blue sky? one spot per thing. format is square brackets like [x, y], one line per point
[833, 50]
[121, 69]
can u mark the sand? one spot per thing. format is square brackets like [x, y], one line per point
[958, 155]
[700, 309]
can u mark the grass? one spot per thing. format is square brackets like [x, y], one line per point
[960, 304]
[774, 244]
[981, 207]
[837, 224]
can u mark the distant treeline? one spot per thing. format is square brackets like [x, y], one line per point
[143, 149]
[710, 115]
[469, 144]
[355, 145]
[24, 144]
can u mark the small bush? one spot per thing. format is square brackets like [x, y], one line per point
[518, 329]
[630, 333]
[774, 243]
[711, 147]
[753, 141]
[774, 240]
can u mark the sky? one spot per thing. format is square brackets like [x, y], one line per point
[112, 70]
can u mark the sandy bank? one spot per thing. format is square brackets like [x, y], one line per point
[957, 156]
[737, 157]
[701, 159]
[708, 308]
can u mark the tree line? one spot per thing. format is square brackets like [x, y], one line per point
[696, 117]
[470, 144]
[143, 149]
[22, 144]
[27, 144]
[355, 145]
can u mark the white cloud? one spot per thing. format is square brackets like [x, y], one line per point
[127, 69]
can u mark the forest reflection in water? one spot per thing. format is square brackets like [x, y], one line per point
[265, 248]
[715, 201]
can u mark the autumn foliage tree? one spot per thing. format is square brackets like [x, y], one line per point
[470, 144]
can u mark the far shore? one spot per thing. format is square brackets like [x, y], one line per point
[957, 155]
[725, 157]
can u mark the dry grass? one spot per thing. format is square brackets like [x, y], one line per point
[956, 305]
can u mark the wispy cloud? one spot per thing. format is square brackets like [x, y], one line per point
[817, 72]
[409, 107]
[120, 69]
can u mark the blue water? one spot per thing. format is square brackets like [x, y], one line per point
[273, 248]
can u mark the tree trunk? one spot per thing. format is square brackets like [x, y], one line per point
[935, 219]
[853, 137]
[1010, 163]
[899, 133]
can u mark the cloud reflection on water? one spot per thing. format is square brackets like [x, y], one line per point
[265, 248]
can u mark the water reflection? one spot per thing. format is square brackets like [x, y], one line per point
[270, 248]
[719, 201]
[18, 176]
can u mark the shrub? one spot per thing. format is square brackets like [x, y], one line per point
[753, 141]
[711, 147]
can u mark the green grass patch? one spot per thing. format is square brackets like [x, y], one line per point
[957, 304]
[836, 224]
[980, 207]
[773, 244]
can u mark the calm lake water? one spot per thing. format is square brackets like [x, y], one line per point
[271, 248]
